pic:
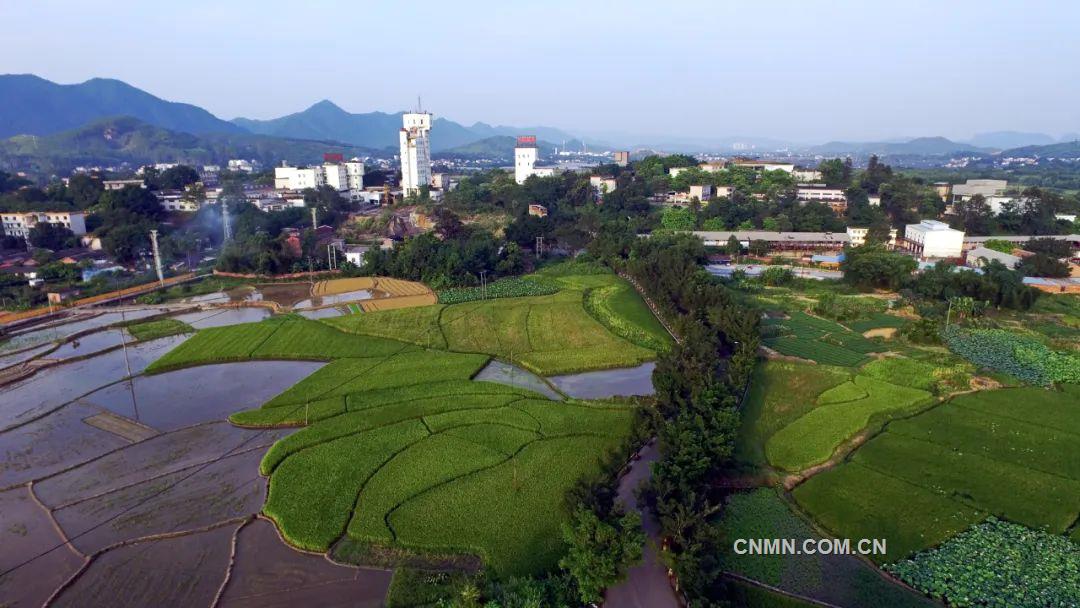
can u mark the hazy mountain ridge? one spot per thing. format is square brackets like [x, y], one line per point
[326, 120]
[30, 105]
[119, 140]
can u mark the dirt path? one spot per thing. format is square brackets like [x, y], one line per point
[646, 585]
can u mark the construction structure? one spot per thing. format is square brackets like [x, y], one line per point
[415, 152]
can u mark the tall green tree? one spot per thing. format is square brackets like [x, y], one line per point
[600, 551]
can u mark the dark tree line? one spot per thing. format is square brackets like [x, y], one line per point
[699, 386]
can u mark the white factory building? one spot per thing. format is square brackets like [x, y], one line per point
[345, 177]
[993, 190]
[526, 156]
[602, 185]
[858, 236]
[933, 239]
[415, 152]
[20, 223]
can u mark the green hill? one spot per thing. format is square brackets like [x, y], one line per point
[115, 141]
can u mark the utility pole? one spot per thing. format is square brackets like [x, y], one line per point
[157, 257]
[123, 342]
[314, 223]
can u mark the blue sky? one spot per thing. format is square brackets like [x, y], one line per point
[795, 70]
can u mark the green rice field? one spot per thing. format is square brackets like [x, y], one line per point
[1011, 453]
[399, 448]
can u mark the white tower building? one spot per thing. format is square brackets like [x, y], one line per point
[525, 157]
[415, 152]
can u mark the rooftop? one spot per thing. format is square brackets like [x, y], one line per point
[776, 237]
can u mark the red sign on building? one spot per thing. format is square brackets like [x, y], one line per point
[333, 157]
[527, 140]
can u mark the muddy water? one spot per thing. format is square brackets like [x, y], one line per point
[218, 317]
[92, 343]
[267, 574]
[338, 298]
[200, 394]
[322, 313]
[53, 443]
[25, 531]
[627, 381]
[50, 388]
[188, 499]
[504, 373]
[63, 330]
[285, 294]
[18, 358]
[155, 457]
[182, 571]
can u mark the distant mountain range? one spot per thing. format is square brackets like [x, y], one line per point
[1067, 149]
[499, 147]
[30, 105]
[325, 120]
[921, 146]
[78, 114]
[115, 141]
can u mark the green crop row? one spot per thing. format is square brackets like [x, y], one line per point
[513, 287]
[815, 350]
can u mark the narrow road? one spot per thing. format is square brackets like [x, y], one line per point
[646, 585]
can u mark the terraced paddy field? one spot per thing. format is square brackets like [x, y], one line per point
[408, 452]
[549, 335]
[1011, 453]
[401, 450]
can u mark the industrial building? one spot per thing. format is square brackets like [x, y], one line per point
[622, 158]
[526, 155]
[833, 197]
[778, 241]
[20, 223]
[992, 190]
[858, 236]
[415, 152]
[933, 239]
[602, 185]
[980, 256]
[345, 177]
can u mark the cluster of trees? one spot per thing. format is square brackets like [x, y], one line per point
[1033, 212]
[781, 213]
[873, 267]
[452, 254]
[699, 385]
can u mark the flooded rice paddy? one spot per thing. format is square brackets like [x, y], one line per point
[505, 373]
[137, 493]
[624, 382]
